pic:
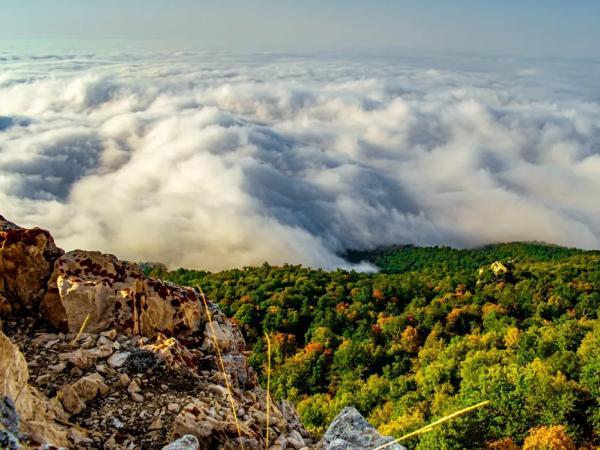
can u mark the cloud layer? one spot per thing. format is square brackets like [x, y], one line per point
[215, 161]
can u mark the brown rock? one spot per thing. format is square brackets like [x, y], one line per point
[79, 358]
[90, 386]
[133, 387]
[156, 425]
[70, 400]
[56, 368]
[116, 295]
[172, 352]
[26, 261]
[99, 352]
[110, 334]
[43, 338]
[36, 412]
[296, 440]
[124, 380]
[127, 310]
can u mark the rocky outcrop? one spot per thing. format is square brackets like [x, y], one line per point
[144, 392]
[131, 361]
[27, 259]
[116, 294]
[350, 431]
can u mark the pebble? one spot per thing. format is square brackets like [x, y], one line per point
[110, 334]
[58, 367]
[133, 387]
[118, 359]
[124, 380]
[156, 425]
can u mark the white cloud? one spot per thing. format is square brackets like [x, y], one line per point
[222, 162]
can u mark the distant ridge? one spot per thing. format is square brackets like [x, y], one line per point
[408, 258]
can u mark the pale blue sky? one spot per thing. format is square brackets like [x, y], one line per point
[521, 27]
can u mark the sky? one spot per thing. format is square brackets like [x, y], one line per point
[536, 28]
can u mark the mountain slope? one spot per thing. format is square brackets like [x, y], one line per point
[444, 329]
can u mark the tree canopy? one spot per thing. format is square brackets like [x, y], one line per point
[436, 330]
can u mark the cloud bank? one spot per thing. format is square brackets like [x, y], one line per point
[216, 161]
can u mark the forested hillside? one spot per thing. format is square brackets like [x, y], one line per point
[437, 330]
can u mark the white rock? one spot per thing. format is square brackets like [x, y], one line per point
[187, 442]
[104, 341]
[350, 431]
[296, 440]
[118, 359]
[100, 352]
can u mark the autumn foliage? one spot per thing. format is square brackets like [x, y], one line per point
[436, 331]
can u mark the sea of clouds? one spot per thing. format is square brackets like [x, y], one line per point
[211, 160]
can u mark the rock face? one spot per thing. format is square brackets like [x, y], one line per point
[116, 294]
[145, 370]
[350, 431]
[26, 261]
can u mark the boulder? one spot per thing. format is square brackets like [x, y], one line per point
[116, 294]
[27, 258]
[350, 431]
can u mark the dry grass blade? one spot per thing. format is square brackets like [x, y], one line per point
[19, 393]
[222, 365]
[268, 387]
[81, 328]
[429, 427]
